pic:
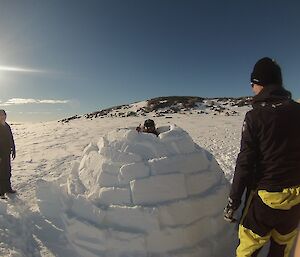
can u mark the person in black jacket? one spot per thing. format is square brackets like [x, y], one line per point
[7, 150]
[268, 167]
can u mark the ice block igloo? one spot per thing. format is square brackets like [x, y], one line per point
[162, 196]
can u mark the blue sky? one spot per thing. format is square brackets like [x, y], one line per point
[59, 58]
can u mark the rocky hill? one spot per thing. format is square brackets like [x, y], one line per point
[166, 106]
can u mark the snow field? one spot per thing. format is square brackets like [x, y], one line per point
[135, 194]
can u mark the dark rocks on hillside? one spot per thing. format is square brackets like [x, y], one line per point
[131, 114]
[243, 101]
[164, 106]
[167, 102]
[66, 120]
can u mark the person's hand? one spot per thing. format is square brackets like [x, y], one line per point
[229, 212]
[13, 155]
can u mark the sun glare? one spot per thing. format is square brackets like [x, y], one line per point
[17, 69]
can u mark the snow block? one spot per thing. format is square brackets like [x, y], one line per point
[90, 148]
[118, 156]
[50, 199]
[189, 211]
[146, 150]
[101, 143]
[94, 242]
[113, 195]
[158, 189]
[140, 219]
[214, 166]
[93, 161]
[91, 168]
[82, 162]
[163, 241]
[184, 163]
[122, 243]
[107, 180]
[86, 210]
[201, 182]
[147, 145]
[203, 251]
[133, 171]
[128, 158]
[132, 135]
[111, 168]
[74, 184]
[88, 238]
[178, 139]
[215, 201]
[180, 213]
[210, 227]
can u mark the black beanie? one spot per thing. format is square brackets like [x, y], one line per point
[266, 72]
[149, 123]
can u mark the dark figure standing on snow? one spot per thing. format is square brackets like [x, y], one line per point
[149, 127]
[268, 167]
[7, 150]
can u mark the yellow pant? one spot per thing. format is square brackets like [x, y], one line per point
[297, 250]
[270, 216]
[251, 243]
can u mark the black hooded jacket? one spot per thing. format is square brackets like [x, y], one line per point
[270, 146]
[7, 144]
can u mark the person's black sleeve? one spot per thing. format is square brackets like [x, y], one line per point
[246, 161]
[1, 144]
[12, 142]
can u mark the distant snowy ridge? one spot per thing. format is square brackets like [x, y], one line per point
[166, 106]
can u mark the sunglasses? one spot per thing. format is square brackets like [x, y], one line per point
[252, 84]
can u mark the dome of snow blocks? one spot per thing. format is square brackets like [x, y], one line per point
[144, 195]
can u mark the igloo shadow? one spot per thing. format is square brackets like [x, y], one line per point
[158, 196]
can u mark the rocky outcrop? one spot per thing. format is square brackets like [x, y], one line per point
[166, 106]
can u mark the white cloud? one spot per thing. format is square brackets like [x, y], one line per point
[54, 101]
[19, 101]
[15, 101]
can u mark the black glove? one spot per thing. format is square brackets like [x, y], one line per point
[229, 211]
[13, 154]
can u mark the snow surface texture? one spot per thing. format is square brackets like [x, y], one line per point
[135, 194]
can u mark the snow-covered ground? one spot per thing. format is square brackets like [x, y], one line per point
[42, 219]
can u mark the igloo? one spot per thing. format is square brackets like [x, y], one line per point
[141, 195]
